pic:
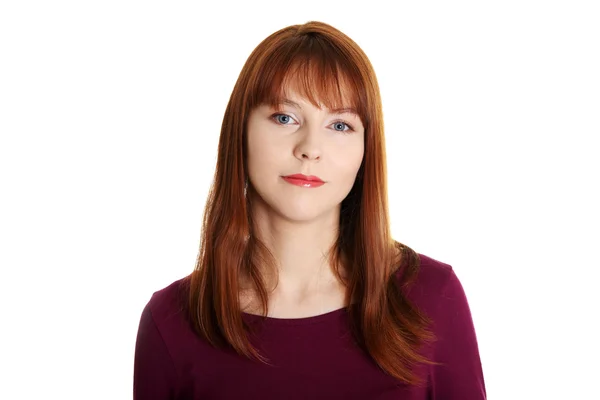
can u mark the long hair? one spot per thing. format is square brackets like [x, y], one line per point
[319, 61]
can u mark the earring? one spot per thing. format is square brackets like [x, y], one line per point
[246, 187]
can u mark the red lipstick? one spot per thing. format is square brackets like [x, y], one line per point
[309, 181]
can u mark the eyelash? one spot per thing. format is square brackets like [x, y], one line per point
[351, 129]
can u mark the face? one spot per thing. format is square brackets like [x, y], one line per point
[302, 139]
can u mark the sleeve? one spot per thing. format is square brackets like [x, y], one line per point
[459, 375]
[154, 375]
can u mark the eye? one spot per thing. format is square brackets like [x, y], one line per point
[282, 119]
[342, 124]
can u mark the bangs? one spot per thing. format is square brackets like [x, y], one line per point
[315, 70]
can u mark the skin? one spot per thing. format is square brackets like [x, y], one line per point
[299, 224]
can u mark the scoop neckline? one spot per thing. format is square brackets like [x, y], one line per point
[295, 321]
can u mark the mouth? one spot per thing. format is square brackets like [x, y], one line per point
[308, 181]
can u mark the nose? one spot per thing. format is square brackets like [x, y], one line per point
[310, 156]
[309, 146]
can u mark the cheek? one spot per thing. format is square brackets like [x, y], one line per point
[350, 160]
[359, 158]
[263, 155]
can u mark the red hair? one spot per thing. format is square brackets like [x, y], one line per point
[325, 65]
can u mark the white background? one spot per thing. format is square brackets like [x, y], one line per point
[109, 118]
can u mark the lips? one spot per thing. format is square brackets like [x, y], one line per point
[310, 178]
[308, 181]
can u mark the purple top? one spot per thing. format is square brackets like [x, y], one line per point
[313, 357]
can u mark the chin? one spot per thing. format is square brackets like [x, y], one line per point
[300, 216]
[303, 211]
[295, 211]
[297, 208]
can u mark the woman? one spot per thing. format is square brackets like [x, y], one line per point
[299, 291]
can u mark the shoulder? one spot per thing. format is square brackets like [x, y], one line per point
[433, 272]
[433, 280]
[167, 311]
[439, 293]
[160, 344]
[168, 302]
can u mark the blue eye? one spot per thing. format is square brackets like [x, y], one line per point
[282, 120]
[342, 124]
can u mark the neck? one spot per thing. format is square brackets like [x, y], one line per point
[300, 249]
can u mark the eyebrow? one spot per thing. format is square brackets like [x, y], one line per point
[334, 111]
